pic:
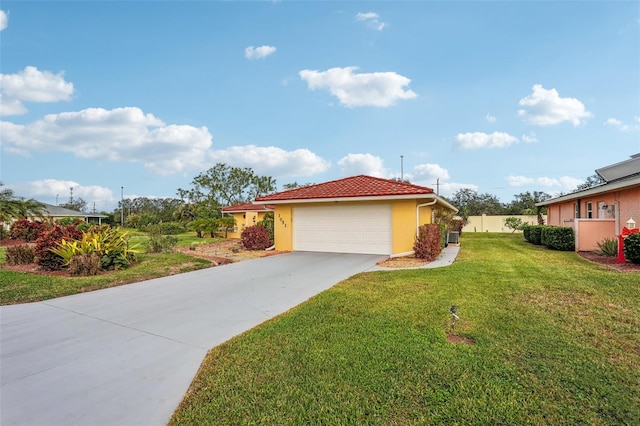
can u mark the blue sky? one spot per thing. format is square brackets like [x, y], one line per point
[501, 97]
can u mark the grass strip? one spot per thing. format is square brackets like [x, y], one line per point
[557, 341]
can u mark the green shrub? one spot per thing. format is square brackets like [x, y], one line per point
[171, 228]
[267, 222]
[23, 254]
[533, 233]
[111, 246]
[608, 247]
[558, 238]
[632, 248]
[159, 242]
[429, 242]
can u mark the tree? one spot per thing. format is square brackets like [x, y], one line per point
[15, 208]
[514, 223]
[77, 204]
[294, 185]
[226, 186]
[470, 203]
[525, 203]
[590, 182]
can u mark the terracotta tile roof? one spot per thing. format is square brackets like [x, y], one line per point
[247, 207]
[351, 187]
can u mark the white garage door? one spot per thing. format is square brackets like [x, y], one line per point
[343, 229]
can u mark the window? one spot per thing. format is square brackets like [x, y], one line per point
[589, 210]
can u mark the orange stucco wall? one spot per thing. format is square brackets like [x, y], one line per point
[590, 232]
[604, 223]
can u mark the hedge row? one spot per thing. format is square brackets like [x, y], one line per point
[553, 237]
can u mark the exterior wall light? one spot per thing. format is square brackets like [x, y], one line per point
[631, 224]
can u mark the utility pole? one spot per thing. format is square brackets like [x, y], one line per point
[122, 206]
[438, 187]
[402, 168]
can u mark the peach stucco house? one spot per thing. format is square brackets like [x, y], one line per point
[602, 211]
[245, 215]
[358, 214]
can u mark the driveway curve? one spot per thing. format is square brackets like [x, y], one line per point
[126, 355]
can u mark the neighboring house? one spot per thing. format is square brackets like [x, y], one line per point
[245, 215]
[602, 211]
[56, 212]
[359, 214]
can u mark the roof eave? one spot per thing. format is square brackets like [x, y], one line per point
[601, 189]
[439, 200]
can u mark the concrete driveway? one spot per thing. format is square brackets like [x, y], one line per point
[126, 355]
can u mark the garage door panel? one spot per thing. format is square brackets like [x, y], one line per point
[343, 229]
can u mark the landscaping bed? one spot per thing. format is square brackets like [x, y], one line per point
[224, 252]
[609, 261]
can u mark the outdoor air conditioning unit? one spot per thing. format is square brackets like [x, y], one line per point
[453, 237]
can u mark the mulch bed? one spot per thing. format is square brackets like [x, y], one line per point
[609, 261]
[220, 253]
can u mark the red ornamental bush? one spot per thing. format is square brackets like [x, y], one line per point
[48, 240]
[27, 230]
[428, 243]
[255, 238]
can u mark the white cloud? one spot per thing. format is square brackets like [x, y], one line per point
[430, 172]
[545, 108]
[484, 140]
[10, 106]
[48, 190]
[564, 183]
[272, 161]
[121, 134]
[4, 20]
[372, 20]
[259, 52]
[32, 85]
[529, 138]
[490, 118]
[362, 164]
[622, 126]
[436, 177]
[379, 89]
[447, 189]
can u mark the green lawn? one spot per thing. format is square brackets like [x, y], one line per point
[16, 287]
[557, 342]
[184, 239]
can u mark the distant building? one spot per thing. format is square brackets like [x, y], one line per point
[56, 212]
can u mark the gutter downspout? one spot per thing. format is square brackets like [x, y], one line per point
[435, 200]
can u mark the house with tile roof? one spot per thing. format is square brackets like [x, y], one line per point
[245, 215]
[602, 211]
[358, 214]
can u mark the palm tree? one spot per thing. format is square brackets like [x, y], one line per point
[13, 208]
